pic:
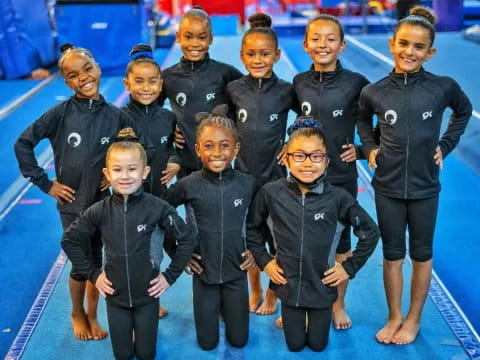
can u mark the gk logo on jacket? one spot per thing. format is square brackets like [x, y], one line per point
[237, 202]
[181, 98]
[306, 108]
[242, 115]
[74, 139]
[273, 117]
[427, 114]
[141, 227]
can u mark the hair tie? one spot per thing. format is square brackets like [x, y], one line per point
[303, 122]
[146, 54]
[129, 138]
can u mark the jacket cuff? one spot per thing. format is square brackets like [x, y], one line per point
[45, 185]
[94, 276]
[168, 276]
[349, 269]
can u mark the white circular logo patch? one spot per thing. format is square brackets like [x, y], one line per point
[390, 117]
[242, 115]
[74, 139]
[306, 108]
[181, 99]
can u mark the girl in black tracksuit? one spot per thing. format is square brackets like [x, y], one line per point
[80, 130]
[144, 82]
[217, 198]
[197, 83]
[261, 101]
[330, 93]
[307, 212]
[130, 280]
[409, 105]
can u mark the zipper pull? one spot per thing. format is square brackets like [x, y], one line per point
[405, 79]
[146, 109]
[125, 205]
[260, 83]
[90, 102]
[192, 65]
[303, 200]
[321, 77]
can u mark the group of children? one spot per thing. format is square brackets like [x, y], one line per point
[230, 164]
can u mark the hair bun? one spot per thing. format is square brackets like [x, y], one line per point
[198, 7]
[260, 20]
[126, 134]
[66, 46]
[423, 12]
[219, 110]
[141, 51]
[303, 121]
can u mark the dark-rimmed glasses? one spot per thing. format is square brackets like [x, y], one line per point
[315, 157]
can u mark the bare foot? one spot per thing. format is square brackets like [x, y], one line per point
[407, 333]
[385, 335]
[81, 329]
[254, 300]
[269, 306]
[98, 332]
[341, 321]
[279, 322]
[162, 312]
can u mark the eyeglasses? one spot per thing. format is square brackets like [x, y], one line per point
[315, 157]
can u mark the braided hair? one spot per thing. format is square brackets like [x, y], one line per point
[67, 48]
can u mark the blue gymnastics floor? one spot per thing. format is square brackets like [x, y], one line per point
[29, 252]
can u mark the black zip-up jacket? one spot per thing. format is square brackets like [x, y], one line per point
[410, 109]
[194, 87]
[331, 97]
[158, 124]
[126, 226]
[261, 109]
[306, 230]
[80, 131]
[216, 204]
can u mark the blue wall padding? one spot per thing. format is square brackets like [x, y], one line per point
[26, 37]
[108, 30]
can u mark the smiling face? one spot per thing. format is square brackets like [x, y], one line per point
[195, 37]
[216, 148]
[82, 75]
[144, 83]
[258, 54]
[323, 43]
[125, 170]
[411, 47]
[306, 171]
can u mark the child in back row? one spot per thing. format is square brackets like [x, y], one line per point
[196, 84]
[80, 130]
[261, 101]
[307, 212]
[144, 82]
[130, 280]
[409, 104]
[330, 94]
[217, 198]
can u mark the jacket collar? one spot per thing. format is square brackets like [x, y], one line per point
[326, 76]
[404, 79]
[131, 199]
[194, 65]
[89, 104]
[317, 186]
[262, 83]
[217, 177]
[138, 108]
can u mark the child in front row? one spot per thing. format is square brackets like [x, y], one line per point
[130, 280]
[197, 83]
[217, 198]
[307, 214]
[262, 102]
[144, 82]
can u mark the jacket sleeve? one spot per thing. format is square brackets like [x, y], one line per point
[175, 194]
[257, 229]
[295, 102]
[359, 149]
[365, 123]
[364, 228]
[462, 111]
[180, 236]
[76, 242]
[41, 129]
[171, 149]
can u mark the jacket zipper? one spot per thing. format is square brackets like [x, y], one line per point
[126, 251]
[301, 251]
[89, 194]
[408, 134]
[221, 233]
